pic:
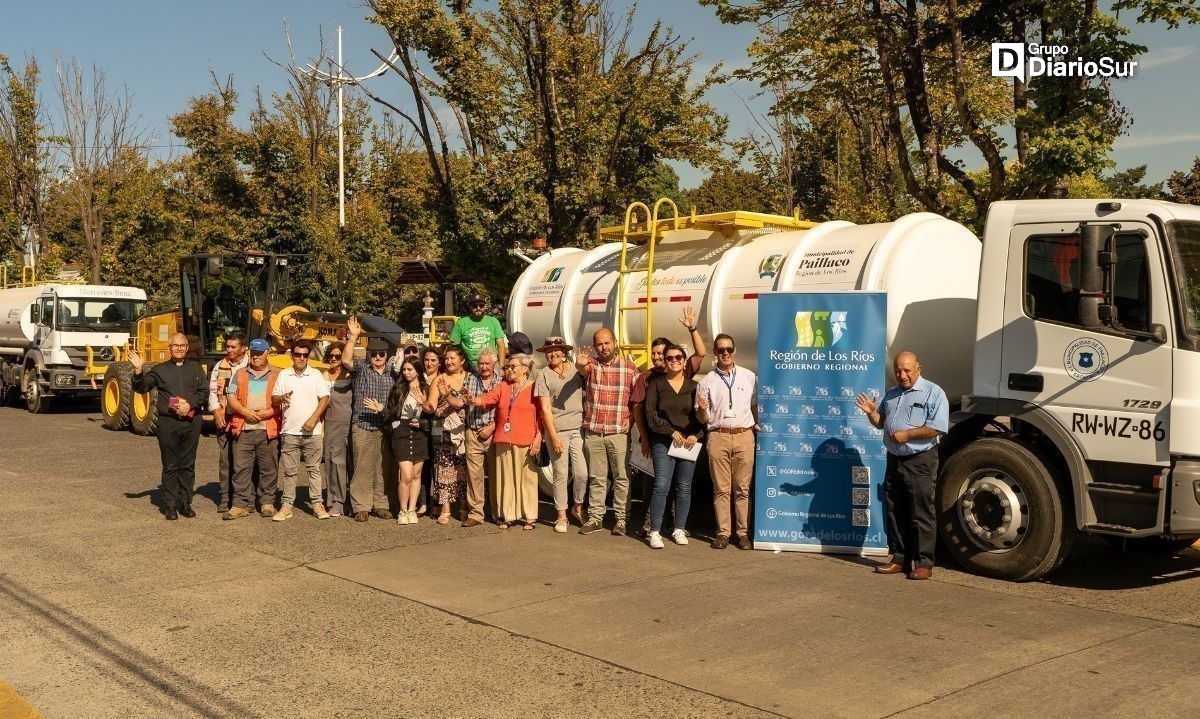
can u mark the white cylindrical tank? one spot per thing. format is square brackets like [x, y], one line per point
[16, 329]
[928, 265]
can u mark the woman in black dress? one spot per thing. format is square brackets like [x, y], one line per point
[410, 435]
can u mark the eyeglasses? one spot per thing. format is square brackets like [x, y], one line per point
[511, 366]
[379, 353]
[334, 356]
[302, 355]
[674, 358]
[724, 350]
[175, 345]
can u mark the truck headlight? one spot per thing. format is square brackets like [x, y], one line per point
[64, 380]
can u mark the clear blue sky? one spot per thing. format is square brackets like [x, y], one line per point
[163, 51]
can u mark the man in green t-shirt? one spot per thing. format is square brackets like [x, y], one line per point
[477, 332]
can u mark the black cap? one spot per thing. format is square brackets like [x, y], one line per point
[377, 344]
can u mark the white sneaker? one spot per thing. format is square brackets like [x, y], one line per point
[414, 517]
[679, 537]
[655, 540]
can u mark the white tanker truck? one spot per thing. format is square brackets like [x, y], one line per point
[46, 330]
[1068, 342]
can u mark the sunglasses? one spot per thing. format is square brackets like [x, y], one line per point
[379, 353]
[478, 304]
[334, 356]
[303, 355]
[256, 353]
[674, 358]
[724, 350]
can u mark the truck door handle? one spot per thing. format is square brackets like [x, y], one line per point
[1026, 382]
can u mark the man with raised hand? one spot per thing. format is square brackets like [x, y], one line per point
[913, 416]
[182, 388]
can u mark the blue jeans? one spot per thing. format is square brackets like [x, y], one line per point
[666, 470]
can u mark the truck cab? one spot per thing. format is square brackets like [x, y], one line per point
[1087, 358]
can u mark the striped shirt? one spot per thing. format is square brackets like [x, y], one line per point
[607, 387]
[479, 418]
[369, 383]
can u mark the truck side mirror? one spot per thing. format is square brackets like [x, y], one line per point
[1095, 261]
[35, 313]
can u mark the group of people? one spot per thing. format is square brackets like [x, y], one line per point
[483, 418]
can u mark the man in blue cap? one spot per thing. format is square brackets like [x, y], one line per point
[255, 423]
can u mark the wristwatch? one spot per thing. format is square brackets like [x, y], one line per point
[455, 394]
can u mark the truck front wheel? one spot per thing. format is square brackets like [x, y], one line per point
[1000, 512]
[36, 401]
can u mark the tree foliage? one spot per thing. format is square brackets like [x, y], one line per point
[912, 82]
[560, 112]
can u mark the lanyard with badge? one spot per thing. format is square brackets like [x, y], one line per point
[511, 401]
[730, 413]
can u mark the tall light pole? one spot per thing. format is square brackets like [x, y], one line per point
[339, 82]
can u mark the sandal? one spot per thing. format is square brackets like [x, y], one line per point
[501, 524]
[528, 526]
[443, 519]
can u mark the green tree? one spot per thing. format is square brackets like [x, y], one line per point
[1185, 186]
[558, 111]
[24, 162]
[913, 79]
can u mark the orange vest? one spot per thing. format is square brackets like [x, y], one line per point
[272, 423]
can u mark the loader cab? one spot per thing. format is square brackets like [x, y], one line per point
[222, 294]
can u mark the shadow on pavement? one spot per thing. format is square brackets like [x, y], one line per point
[151, 679]
[1095, 564]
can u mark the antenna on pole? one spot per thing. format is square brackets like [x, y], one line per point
[339, 81]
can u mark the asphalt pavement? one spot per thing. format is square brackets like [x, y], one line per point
[108, 610]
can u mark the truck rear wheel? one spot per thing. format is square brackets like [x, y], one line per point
[116, 397]
[36, 401]
[143, 417]
[1001, 513]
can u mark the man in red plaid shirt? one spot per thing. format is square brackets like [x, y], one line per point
[607, 381]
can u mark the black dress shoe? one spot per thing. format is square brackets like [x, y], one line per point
[187, 511]
[171, 515]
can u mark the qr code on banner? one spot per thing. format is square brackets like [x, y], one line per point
[860, 495]
[861, 518]
[860, 475]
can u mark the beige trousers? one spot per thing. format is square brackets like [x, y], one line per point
[731, 464]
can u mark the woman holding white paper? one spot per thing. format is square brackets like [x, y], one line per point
[675, 434]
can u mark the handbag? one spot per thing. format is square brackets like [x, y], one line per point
[543, 455]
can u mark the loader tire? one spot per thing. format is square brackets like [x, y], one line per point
[143, 416]
[116, 396]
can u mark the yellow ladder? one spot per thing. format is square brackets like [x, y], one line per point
[639, 352]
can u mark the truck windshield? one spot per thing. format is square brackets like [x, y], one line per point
[97, 313]
[1185, 236]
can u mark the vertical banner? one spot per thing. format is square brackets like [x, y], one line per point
[818, 477]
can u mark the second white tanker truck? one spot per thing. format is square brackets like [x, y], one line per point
[1068, 341]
